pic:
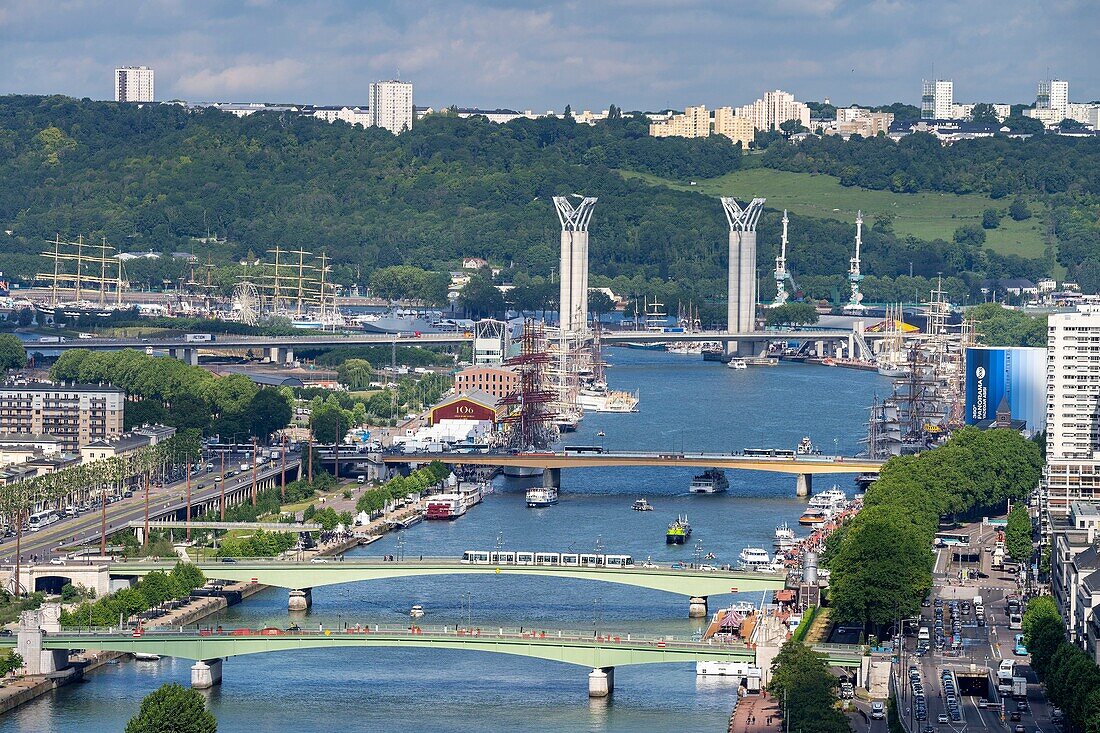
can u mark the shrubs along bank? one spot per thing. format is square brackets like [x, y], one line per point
[152, 590]
[881, 562]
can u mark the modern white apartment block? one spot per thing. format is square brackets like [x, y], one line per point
[75, 414]
[773, 109]
[134, 84]
[391, 105]
[1053, 94]
[1072, 471]
[936, 99]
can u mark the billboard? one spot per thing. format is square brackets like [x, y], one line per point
[1018, 373]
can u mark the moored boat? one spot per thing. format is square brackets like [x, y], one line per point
[784, 537]
[738, 364]
[416, 611]
[542, 496]
[754, 558]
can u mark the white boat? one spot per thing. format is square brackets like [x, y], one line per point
[598, 398]
[711, 481]
[806, 447]
[641, 505]
[445, 506]
[146, 657]
[750, 674]
[784, 537]
[540, 497]
[814, 517]
[887, 370]
[738, 364]
[754, 558]
[521, 471]
[416, 611]
[831, 501]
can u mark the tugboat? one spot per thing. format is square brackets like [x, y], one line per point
[678, 531]
[711, 481]
[641, 505]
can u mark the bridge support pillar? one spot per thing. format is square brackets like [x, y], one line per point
[697, 607]
[300, 600]
[187, 356]
[804, 484]
[551, 478]
[206, 673]
[601, 681]
[32, 624]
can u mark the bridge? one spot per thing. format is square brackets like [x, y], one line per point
[301, 577]
[196, 524]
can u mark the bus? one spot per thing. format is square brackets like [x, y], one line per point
[768, 453]
[952, 539]
[41, 519]
[581, 450]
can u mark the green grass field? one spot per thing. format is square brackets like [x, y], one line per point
[924, 215]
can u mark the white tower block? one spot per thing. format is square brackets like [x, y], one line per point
[573, 303]
[741, 300]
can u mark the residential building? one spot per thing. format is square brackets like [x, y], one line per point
[966, 111]
[497, 381]
[351, 115]
[1075, 574]
[76, 414]
[773, 109]
[694, 122]
[23, 447]
[936, 99]
[737, 129]
[1048, 116]
[134, 84]
[1085, 113]
[1072, 470]
[391, 105]
[590, 118]
[1053, 94]
[863, 122]
[126, 444]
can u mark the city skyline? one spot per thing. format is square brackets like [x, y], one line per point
[634, 53]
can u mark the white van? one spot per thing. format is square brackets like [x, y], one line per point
[924, 634]
[878, 710]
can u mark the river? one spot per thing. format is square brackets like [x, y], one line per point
[684, 403]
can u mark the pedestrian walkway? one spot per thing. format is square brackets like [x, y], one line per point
[755, 714]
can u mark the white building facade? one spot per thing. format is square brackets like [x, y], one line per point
[134, 84]
[937, 98]
[773, 109]
[391, 105]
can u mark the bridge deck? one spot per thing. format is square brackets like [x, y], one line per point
[797, 465]
[284, 574]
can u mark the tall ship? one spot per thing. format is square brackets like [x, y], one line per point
[656, 321]
[678, 531]
[542, 497]
[711, 481]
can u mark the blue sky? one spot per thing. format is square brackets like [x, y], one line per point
[639, 54]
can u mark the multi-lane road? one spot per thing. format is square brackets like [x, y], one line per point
[167, 500]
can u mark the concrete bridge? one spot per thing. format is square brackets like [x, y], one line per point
[302, 577]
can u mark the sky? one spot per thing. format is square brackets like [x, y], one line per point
[638, 54]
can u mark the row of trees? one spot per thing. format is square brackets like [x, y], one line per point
[1000, 326]
[162, 389]
[256, 544]
[882, 561]
[374, 500]
[152, 590]
[806, 689]
[1071, 677]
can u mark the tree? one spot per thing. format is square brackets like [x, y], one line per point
[328, 423]
[188, 411]
[269, 411]
[790, 127]
[173, 708]
[355, 374]
[1021, 125]
[480, 298]
[11, 661]
[144, 412]
[984, 114]
[12, 353]
[791, 314]
[1019, 210]
[970, 234]
[806, 689]
[1018, 534]
[991, 219]
[599, 302]
[26, 315]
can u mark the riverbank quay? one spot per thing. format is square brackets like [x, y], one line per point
[755, 714]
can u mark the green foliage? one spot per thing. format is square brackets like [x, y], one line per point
[1018, 534]
[10, 661]
[328, 423]
[1043, 630]
[1000, 326]
[269, 410]
[172, 708]
[373, 500]
[12, 353]
[413, 356]
[1019, 210]
[412, 283]
[355, 374]
[806, 688]
[985, 114]
[481, 299]
[991, 219]
[970, 235]
[153, 589]
[882, 563]
[791, 314]
[257, 544]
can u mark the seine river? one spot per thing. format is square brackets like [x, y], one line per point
[684, 403]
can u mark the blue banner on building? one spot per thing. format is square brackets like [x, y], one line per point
[996, 373]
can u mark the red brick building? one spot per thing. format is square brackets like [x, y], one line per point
[498, 381]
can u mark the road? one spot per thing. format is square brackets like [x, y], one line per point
[982, 646]
[168, 499]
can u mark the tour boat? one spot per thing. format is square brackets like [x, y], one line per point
[445, 506]
[814, 517]
[711, 481]
[806, 447]
[416, 611]
[641, 505]
[738, 364]
[146, 657]
[831, 501]
[784, 537]
[540, 497]
[754, 558]
[678, 531]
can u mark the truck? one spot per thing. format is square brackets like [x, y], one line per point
[51, 340]
[196, 337]
[1019, 688]
[245, 467]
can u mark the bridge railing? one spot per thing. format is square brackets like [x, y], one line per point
[520, 633]
[853, 649]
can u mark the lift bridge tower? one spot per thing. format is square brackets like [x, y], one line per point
[741, 298]
[573, 303]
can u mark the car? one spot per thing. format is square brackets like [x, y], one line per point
[878, 710]
[1021, 706]
[319, 559]
[229, 559]
[925, 603]
[928, 729]
[942, 718]
[57, 561]
[1019, 729]
[1014, 716]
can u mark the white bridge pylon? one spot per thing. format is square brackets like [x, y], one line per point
[741, 298]
[573, 300]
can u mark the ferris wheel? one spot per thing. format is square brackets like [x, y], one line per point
[246, 303]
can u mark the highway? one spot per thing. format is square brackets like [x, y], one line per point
[166, 500]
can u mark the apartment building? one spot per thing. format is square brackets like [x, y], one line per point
[737, 129]
[133, 84]
[391, 105]
[773, 109]
[76, 414]
[694, 122]
[937, 98]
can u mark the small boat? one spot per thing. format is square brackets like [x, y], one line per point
[416, 611]
[738, 364]
[711, 481]
[542, 497]
[888, 370]
[146, 657]
[678, 531]
[754, 558]
[784, 537]
[806, 447]
[641, 505]
[601, 434]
